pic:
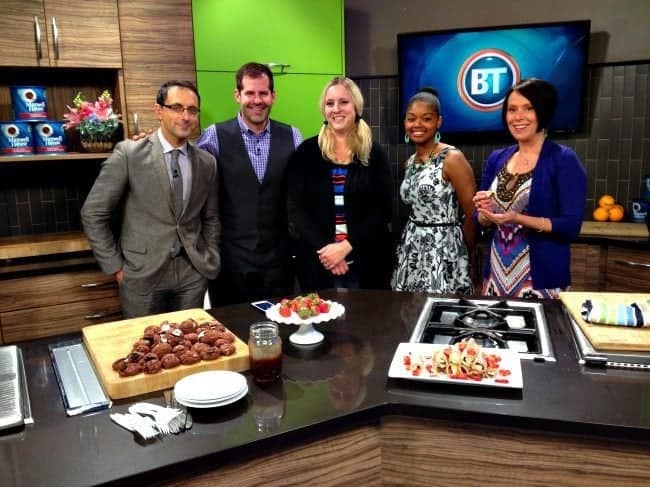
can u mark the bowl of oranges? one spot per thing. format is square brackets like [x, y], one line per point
[608, 209]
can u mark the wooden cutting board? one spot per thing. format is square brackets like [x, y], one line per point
[614, 229]
[608, 337]
[109, 341]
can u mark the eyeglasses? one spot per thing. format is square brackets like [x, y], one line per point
[178, 108]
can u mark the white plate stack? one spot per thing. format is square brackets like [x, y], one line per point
[211, 389]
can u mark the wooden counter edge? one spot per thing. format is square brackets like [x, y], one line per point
[21, 246]
[613, 229]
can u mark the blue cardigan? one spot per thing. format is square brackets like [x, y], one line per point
[557, 192]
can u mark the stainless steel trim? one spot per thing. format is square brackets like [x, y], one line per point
[589, 356]
[631, 263]
[37, 33]
[55, 32]
[27, 406]
[282, 66]
[99, 284]
[627, 365]
[102, 314]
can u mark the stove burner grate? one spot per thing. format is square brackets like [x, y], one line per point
[486, 339]
[482, 316]
[489, 325]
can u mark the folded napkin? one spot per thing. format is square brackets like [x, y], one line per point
[602, 313]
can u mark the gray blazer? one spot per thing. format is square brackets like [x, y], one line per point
[135, 179]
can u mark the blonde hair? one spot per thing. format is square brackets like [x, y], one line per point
[359, 141]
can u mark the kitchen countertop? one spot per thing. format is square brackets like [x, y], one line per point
[624, 234]
[614, 229]
[339, 384]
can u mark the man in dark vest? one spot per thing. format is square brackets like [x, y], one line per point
[252, 154]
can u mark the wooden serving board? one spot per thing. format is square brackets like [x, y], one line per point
[608, 337]
[109, 341]
[614, 229]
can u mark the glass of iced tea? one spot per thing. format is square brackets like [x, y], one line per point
[265, 348]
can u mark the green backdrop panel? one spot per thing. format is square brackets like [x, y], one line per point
[306, 34]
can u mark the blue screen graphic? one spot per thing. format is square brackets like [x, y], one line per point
[472, 70]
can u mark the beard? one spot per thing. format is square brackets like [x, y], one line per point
[256, 116]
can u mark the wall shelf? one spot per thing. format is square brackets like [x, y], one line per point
[68, 156]
[21, 246]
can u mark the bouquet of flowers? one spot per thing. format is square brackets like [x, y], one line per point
[95, 120]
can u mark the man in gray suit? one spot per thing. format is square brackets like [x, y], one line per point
[167, 247]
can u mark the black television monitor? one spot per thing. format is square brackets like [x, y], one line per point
[472, 68]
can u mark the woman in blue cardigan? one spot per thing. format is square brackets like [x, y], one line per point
[533, 194]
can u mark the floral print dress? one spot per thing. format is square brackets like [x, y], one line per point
[432, 255]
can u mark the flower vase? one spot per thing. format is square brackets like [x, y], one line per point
[97, 143]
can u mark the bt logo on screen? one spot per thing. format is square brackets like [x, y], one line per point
[484, 78]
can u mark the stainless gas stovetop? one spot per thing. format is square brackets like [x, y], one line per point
[516, 325]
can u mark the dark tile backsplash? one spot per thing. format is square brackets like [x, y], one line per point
[614, 144]
[43, 197]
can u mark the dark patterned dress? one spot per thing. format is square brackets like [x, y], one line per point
[432, 255]
[510, 250]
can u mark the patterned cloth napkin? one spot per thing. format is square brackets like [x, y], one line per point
[601, 313]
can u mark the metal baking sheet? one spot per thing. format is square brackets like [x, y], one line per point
[78, 382]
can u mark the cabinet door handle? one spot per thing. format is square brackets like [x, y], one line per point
[89, 285]
[282, 66]
[632, 264]
[103, 314]
[55, 32]
[37, 33]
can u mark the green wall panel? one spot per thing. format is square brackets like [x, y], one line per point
[296, 103]
[306, 34]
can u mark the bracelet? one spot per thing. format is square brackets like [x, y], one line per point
[543, 225]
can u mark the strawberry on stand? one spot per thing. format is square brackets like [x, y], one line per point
[304, 306]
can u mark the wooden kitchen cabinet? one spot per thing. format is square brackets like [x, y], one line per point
[587, 267]
[56, 300]
[609, 267]
[144, 69]
[18, 34]
[628, 270]
[52, 33]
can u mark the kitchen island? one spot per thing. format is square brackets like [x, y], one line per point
[336, 418]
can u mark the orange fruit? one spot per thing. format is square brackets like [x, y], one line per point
[606, 201]
[616, 213]
[601, 214]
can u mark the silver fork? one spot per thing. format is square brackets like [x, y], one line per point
[163, 418]
[185, 418]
